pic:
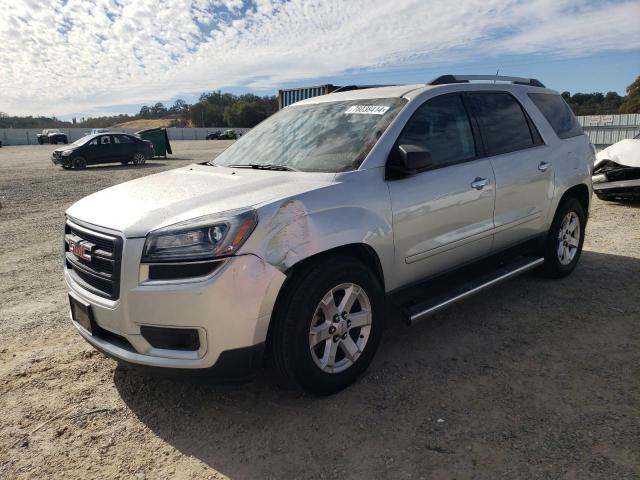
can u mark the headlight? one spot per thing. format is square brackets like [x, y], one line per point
[202, 238]
[66, 153]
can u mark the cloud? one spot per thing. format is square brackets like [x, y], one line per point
[65, 56]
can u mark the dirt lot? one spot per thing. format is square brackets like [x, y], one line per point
[535, 379]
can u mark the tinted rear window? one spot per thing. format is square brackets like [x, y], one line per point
[504, 126]
[557, 113]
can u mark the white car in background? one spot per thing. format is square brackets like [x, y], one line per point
[616, 171]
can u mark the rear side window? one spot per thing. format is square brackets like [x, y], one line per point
[504, 125]
[558, 114]
[442, 126]
[122, 139]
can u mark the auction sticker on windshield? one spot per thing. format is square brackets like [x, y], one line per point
[368, 109]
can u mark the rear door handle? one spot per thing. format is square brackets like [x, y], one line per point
[544, 166]
[479, 183]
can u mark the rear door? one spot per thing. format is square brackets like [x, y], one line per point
[442, 217]
[123, 147]
[523, 173]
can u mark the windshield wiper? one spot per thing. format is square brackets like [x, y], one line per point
[266, 166]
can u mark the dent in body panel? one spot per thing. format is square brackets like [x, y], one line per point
[288, 231]
[295, 232]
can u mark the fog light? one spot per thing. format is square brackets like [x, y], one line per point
[185, 339]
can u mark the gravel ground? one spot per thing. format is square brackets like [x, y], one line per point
[534, 379]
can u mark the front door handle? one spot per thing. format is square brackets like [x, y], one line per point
[479, 183]
[544, 166]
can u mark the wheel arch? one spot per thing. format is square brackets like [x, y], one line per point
[360, 251]
[581, 193]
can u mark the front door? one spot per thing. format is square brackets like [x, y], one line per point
[442, 217]
[105, 153]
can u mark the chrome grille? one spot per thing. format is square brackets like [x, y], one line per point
[93, 259]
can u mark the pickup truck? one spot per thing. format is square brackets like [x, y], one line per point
[53, 136]
[294, 244]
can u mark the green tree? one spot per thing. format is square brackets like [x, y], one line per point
[631, 103]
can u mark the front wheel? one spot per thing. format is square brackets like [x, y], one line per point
[327, 327]
[79, 163]
[139, 159]
[565, 239]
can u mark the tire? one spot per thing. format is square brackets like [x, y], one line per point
[66, 142]
[301, 312]
[40, 141]
[139, 159]
[79, 163]
[53, 141]
[563, 245]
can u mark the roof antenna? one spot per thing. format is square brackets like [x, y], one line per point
[497, 72]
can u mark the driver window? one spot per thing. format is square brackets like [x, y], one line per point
[441, 126]
[105, 140]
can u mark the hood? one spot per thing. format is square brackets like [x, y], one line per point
[625, 153]
[139, 206]
[66, 147]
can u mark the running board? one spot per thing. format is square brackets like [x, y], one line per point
[418, 311]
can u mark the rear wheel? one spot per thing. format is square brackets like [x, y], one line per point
[565, 239]
[79, 163]
[328, 326]
[139, 159]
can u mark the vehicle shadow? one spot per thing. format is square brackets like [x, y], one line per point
[473, 390]
[623, 202]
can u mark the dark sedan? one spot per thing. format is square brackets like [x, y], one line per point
[103, 148]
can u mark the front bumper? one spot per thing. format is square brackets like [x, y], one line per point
[60, 160]
[622, 188]
[230, 309]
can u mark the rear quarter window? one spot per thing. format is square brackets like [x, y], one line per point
[557, 113]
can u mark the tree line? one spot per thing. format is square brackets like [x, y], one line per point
[217, 109]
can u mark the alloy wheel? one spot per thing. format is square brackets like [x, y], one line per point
[568, 238]
[340, 328]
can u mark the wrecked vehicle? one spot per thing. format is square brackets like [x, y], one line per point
[52, 136]
[287, 245]
[616, 171]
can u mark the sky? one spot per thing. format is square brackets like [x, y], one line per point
[97, 57]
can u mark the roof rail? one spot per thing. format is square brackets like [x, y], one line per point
[444, 79]
[348, 88]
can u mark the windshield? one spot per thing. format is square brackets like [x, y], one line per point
[325, 137]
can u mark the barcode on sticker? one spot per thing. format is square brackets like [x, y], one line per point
[367, 109]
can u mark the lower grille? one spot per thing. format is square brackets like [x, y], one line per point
[93, 259]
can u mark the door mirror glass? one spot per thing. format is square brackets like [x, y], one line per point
[414, 158]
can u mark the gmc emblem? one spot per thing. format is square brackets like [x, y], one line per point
[81, 248]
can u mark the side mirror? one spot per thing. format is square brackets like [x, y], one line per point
[414, 158]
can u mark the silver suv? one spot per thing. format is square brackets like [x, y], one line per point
[288, 245]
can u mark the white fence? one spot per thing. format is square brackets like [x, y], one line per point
[28, 136]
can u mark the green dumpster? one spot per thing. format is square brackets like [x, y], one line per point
[160, 139]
